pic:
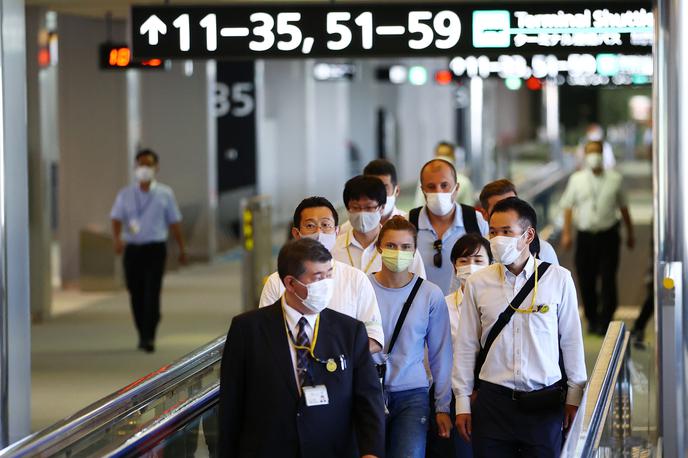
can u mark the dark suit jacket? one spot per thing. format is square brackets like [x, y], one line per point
[261, 411]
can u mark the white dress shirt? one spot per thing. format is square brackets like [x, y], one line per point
[353, 296]
[454, 308]
[525, 355]
[292, 316]
[367, 259]
[346, 227]
[595, 199]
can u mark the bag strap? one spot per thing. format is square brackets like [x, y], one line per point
[470, 220]
[505, 317]
[414, 214]
[404, 312]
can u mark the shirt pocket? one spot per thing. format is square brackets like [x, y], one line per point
[544, 322]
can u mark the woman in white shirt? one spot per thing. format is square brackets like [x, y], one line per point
[469, 254]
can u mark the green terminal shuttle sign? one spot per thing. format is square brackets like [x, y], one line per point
[225, 31]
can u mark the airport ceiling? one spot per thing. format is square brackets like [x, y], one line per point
[120, 8]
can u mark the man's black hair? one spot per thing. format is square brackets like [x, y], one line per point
[294, 254]
[526, 213]
[313, 202]
[380, 167]
[147, 152]
[445, 143]
[362, 186]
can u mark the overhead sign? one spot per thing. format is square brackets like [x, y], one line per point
[337, 30]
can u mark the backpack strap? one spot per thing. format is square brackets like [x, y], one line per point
[414, 214]
[470, 220]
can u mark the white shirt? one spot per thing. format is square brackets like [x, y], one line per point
[547, 253]
[346, 227]
[525, 355]
[454, 307]
[293, 318]
[367, 259]
[595, 199]
[353, 296]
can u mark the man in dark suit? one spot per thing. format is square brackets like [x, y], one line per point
[297, 379]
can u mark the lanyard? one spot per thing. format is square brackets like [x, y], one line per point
[532, 308]
[351, 259]
[310, 349]
[456, 299]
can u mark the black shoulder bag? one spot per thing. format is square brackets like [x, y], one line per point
[539, 400]
[382, 368]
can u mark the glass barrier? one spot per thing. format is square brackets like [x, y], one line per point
[110, 427]
[604, 425]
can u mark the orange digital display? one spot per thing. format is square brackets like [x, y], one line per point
[114, 56]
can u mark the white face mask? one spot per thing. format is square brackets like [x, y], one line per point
[365, 221]
[144, 174]
[505, 249]
[595, 135]
[440, 203]
[319, 295]
[466, 270]
[389, 205]
[593, 160]
[327, 240]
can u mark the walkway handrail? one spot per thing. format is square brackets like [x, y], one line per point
[586, 430]
[88, 420]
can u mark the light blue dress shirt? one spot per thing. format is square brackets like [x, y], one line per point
[146, 216]
[427, 323]
[442, 276]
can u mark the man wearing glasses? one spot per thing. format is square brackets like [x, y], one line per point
[365, 198]
[441, 222]
[316, 218]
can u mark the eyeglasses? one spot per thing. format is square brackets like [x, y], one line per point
[325, 225]
[437, 258]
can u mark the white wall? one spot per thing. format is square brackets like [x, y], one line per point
[92, 135]
[177, 123]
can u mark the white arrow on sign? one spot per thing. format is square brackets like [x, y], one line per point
[153, 27]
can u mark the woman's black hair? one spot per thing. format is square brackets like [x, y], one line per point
[469, 245]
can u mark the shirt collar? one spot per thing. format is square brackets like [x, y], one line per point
[355, 243]
[424, 220]
[527, 270]
[153, 185]
[293, 316]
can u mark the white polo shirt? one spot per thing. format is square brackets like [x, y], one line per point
[350, 252]
[353, 296]
[595, 199]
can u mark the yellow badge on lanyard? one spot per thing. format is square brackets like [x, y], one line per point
[331, 366]
[544, 308]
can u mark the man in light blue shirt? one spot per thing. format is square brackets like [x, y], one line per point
[441, 222]
[142, 216]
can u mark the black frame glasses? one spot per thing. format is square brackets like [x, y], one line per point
[437, 258]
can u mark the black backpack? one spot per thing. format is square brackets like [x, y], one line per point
[470, 220]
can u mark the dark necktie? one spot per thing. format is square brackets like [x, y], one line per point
[302, 340]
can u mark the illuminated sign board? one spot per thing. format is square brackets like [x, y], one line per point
[119, 57]
[574, 69]
[338, 30]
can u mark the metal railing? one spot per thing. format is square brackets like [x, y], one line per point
[606, 404]
[111, 425]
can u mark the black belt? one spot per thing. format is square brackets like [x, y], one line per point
[514, 394]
